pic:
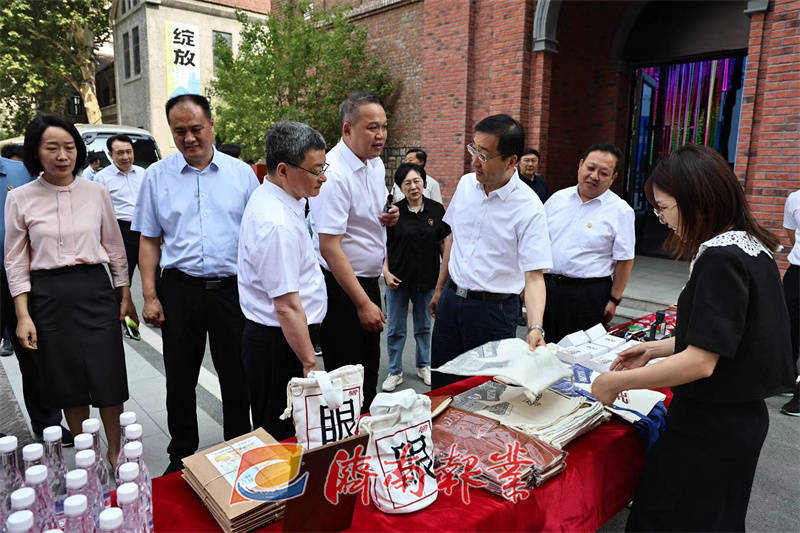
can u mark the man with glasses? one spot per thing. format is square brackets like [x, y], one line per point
[348, 221]
[281, 287]
[528, 166]
[593, 241]
[498, 249]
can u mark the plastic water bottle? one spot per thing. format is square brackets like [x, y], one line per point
[10, 477]
[78, 517]
[32, 455]
[85, 459]
[92, 427]
[111, 520]
[125, 419]
[20, 522]
[133, 454]
[56, 468]
[132, 433]
[129, 473]
[128, 501]
[43, 508]
[22, 499]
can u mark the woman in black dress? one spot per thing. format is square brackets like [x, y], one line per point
[731, 350]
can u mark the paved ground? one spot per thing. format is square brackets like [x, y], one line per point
[774, 505]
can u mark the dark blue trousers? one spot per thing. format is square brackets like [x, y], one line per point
[463, 324]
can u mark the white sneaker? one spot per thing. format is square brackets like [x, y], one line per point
[391, 382]
[424, 374]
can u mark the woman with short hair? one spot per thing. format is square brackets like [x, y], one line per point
[731, 350]
[60, 232]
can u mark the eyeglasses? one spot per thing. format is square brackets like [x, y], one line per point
[317, 174]
[659, 211]
[483, 158]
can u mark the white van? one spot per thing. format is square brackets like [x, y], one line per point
[145, 148]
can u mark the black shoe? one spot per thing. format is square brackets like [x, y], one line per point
[792, 407]
[174, 466]
[67, 440]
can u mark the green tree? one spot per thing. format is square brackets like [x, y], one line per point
[298, 65]
[44, 43]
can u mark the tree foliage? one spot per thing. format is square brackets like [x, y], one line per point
[45, 43]
[298, 65]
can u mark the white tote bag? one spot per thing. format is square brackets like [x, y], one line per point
[400, 452]
[325, 406]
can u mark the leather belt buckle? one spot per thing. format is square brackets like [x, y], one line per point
[213, 284]
[461, 291]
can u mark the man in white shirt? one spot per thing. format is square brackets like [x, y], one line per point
[123, 180]
[498, 249]
[348, 221]
[593, 241]
[93, 165]
[791, 289]
[432, 190]
[281, 287]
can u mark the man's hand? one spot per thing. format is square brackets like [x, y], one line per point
[390, 218]
[392, 281]
[434, 302]
[371, 317]
[609, 312]
[26, 333]
[535, 339]
[152, 311]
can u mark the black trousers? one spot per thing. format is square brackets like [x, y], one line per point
[573, 305]
[463, 324]
[190, 313]
[791, 290]
[130, 239]
[41, 416]
[344, 341]
[269, 363]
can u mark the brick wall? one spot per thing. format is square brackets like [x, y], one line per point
[768, 151]
[256, 6]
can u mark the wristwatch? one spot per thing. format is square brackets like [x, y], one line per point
[615, 300]
[536, 326]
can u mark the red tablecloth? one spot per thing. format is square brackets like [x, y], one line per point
[601, 475]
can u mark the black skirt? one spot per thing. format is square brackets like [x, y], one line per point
[698, 475]
[80, 353]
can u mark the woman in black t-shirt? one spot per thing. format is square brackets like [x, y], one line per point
[731, 350]
[411, 268]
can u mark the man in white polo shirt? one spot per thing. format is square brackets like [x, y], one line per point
[348, 222]
[281, 287]
[123, 180]
[593, 238]
[498, 249]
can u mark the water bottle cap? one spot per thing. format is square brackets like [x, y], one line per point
[8, 444]
[90, 425]
[32, 452]
[110, 519]
[51, 434]
[128, 471]
[84, 459]
[126, 418]
[84, 441]
[36, 474]
[133, 450]
[20, 522]
[133, 431]
[77, 478]
[127, 493]
[22, 498]
[75, 505]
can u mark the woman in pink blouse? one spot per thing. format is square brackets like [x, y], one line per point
[60, 231]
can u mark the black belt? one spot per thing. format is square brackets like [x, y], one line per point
[478, 295]
[558, 279]
[205, 283]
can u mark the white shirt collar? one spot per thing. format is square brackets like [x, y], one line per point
[602, 198]
[297, 206]
[504, 191]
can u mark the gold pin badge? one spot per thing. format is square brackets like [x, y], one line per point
[589, 225]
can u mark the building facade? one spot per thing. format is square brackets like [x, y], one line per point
[165, 47]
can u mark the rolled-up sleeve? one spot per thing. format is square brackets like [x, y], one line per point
[111, 241]
[17, 247]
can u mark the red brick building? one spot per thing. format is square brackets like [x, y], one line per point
[648, 76]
